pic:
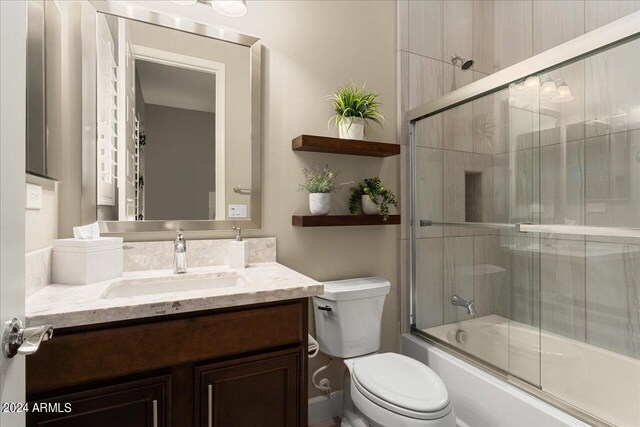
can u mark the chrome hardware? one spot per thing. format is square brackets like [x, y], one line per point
[210, 406]
[239, 190]
[527, 227]
[155, 413]
[180, 255]
[430, 223]
[18, 340]
[325, 308]
[460, 302]
[461, 336]
[238, 231]
[580, 230]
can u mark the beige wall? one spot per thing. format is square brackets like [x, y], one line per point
[41, 225]
[71, 174]
[305, 57]
[179, 161]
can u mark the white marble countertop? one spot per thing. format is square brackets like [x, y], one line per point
[74, 305]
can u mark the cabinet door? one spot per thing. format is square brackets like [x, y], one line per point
[256, 393]
[134, 404]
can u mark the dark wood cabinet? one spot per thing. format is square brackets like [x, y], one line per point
[244, 366]
[131, 404]
[253, 392]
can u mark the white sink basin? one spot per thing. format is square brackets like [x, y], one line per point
[176, 283]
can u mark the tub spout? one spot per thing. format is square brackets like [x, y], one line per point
[460, 302]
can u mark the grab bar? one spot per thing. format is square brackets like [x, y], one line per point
[525, 227]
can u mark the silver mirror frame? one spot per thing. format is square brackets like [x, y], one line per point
[89, 136]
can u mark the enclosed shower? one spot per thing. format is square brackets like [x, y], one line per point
[526, 224]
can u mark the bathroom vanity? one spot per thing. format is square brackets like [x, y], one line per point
[233, 355]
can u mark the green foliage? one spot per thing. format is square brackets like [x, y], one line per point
[353, 101]
[320, 180]
[379, 195]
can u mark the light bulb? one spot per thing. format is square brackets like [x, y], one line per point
[231, 8]
[564, 94]
[531, 82]
[548, 89]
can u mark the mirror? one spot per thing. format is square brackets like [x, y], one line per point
[176, 124]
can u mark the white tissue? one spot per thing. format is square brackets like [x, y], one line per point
[87, 232]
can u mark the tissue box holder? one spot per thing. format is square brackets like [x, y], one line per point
[82, 262]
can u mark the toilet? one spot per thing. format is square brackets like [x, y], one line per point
[380, 389]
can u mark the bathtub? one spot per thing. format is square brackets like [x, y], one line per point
[603, 383]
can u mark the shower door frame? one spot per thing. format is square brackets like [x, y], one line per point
[606, 37]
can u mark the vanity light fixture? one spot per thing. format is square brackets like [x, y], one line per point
[564, 93]
[231, 8]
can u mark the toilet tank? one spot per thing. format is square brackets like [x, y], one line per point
[349, 315]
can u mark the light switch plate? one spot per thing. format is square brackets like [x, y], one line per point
[237, 211]
[34, 197]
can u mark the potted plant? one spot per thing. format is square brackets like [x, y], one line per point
[354, 107]
[320, 183]
[374, 198]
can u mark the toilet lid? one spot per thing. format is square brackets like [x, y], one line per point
[402, 382]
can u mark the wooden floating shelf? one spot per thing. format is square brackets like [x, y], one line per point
[342, 220]
[354, 147]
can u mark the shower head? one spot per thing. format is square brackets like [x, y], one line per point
[465, 64]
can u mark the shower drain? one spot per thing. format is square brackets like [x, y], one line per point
[461, 336]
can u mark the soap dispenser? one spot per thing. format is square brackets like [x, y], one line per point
[238, 251]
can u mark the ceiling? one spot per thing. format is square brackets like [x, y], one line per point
[177, 87]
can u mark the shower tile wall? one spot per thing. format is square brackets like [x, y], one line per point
[588, 174]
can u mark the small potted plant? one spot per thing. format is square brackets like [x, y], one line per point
[354, 107]
[320, 183]
[374, 198]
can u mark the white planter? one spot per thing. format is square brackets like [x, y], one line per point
[351, 128]
[319, 203]
[368, 207]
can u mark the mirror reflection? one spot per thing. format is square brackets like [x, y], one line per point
[170, 146]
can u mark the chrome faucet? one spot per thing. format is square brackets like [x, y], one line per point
[179, 255]
[457, 301]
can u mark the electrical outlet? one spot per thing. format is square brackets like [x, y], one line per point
[34, 197]
[237, 211]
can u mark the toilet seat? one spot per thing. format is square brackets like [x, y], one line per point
[400, 385]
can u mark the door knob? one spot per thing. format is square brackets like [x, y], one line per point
[16, 339]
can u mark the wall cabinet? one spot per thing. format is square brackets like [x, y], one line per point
[244, 366]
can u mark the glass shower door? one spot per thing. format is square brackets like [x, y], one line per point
[475, 177]
[526, 241]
